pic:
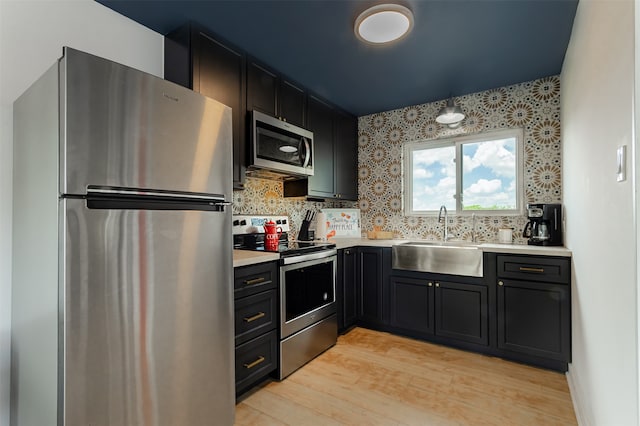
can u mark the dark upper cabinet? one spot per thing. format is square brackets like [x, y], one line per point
[320, 122]
[346, 157]
[215, 68]
[293, 103]
[335, 173]
[273, 94]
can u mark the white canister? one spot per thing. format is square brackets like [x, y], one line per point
[321, 226]
[505, 235]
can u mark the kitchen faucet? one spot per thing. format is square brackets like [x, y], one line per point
[445, 231]
[474, 237]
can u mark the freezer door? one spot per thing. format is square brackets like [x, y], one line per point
[121, 127]
[147, 328]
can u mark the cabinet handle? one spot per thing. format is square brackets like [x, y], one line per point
[437, 284]
[525, 269]
[500, 283]
[254, 363]
[253, 281]
[430, 284]
[255, 317]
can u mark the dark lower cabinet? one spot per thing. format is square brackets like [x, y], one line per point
[411, 304]
[255, 360]
[462, 312]
[373, 274]
[346, 284]
[428, 306]
[256, 322]
[534, 309]
[533, 318]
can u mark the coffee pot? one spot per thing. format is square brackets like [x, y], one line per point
[272, 235]
[545, 225]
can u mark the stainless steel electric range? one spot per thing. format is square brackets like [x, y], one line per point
[307, 287]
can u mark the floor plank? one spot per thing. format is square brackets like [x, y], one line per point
[374, 378]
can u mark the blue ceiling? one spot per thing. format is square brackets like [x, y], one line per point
[456, 47]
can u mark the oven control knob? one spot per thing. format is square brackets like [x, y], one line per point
[279, 222]
[243, 222]
[236, 222]
[284, 221]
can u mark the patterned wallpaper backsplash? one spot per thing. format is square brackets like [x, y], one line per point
[265, 197]
[533, 106]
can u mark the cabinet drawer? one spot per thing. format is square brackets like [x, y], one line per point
[255, 279]
[255, 315]
[255, 359]
[535, 268]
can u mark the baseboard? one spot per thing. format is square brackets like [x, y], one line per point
[580, 406]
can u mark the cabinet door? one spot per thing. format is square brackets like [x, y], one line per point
[346, 157]
[411, 304]
[370, 286]
[221, 75]
[262, 87]
[534, 318]
[461, 312]
[292, 101]
[349, 272]
[320, 122]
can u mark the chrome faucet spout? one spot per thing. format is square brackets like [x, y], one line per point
[474, 236]
[445, 231]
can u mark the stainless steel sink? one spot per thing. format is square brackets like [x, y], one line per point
[451, 257]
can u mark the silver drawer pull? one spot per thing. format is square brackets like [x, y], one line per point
[254, 281]
[254, 363]
[525, 269]
[255, 317]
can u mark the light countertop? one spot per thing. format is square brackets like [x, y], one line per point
[342, 243]
[247, 257]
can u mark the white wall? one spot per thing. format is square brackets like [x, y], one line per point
[32, 34]
[597, 116]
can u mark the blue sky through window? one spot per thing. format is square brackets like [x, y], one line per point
[488, 176]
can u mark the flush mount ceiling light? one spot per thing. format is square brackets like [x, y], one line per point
[451, 115]
[383, 23]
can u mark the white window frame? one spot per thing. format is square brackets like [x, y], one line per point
[458, 142]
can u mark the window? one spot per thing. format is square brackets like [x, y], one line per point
[478, 173]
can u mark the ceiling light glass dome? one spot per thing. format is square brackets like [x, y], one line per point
[383, 23]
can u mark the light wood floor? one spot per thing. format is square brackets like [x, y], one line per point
[373, 378]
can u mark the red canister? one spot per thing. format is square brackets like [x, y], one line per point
[272, 236]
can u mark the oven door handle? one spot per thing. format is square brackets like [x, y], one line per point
[311, 256]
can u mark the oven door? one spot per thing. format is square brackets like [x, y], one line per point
[307, 293]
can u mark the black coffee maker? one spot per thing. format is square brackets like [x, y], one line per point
[545, 225]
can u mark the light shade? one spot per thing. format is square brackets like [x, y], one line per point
[451, 115]
[383, 23]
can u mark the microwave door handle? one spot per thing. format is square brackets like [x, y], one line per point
[307, 152]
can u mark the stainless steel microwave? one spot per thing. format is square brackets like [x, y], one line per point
[280, 147]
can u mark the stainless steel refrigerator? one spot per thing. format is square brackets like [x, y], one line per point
[122, 272]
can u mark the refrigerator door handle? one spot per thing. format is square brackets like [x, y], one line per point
[137, 192]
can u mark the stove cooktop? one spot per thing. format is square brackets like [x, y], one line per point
[248, 234]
